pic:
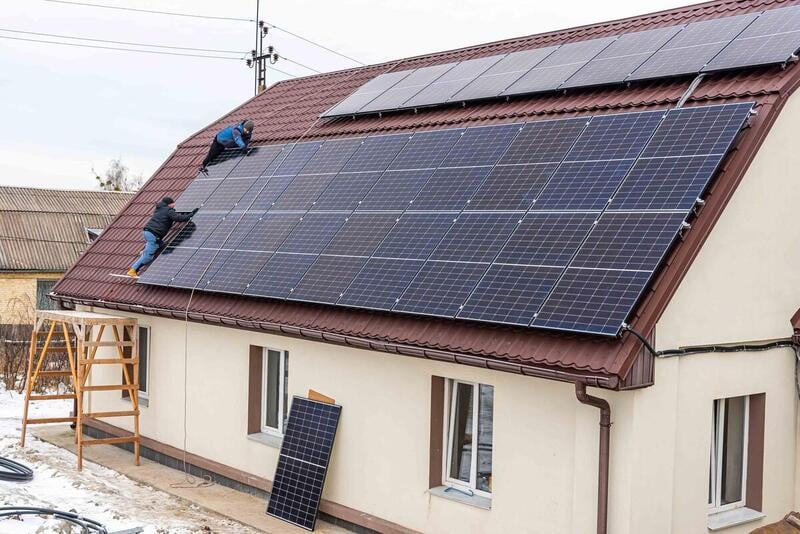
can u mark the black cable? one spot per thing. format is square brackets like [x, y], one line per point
[741, 347]
[238, 52]
[282, 71]
[89, 526]
[120, 49]
[151, 11]
[11, 471]
[311, 42]
[299, 64]
[644, 341]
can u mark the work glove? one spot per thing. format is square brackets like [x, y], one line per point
[194, 211]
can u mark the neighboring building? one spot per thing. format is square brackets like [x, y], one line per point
[702, 440]
[42, 233]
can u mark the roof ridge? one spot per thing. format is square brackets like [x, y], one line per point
[64, 189]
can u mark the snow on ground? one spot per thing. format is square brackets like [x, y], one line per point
[97, 492]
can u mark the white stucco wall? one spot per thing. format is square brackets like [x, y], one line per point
[742, 287]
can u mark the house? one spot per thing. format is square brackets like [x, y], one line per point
[43, 232]
[685, 422]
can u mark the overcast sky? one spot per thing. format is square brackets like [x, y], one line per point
[66, 109]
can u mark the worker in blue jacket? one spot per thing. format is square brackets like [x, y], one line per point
[234, 136]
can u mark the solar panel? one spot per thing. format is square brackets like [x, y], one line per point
[449, 189]
[268, 192]
[234, 272]
[196, 193]
[346, 191]
[440, 288]
[544, 141]
[366, 93]
[503, 73]
[279, 275]
[511, 187]
[691, 49]
[510, 294]
[327, 278]
[376, 153]
[294, 158]
[194, 232]
[415, 235]
[170, 261]
[557, 67]
[407, 87]
[228, 194]
[451, 82]
[312, 233]
[190, 274]
[548, 239]
[772, 38]
[303, 461]
[592, 300]
[380, 283]
[621, 57]
[583, 185]
[224, 163]
[617, 136]
[476, 237]
[483, 145]
[395, 190]
[360, 234]
[256, 161]
[426, 150]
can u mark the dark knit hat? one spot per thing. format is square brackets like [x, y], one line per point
[167, 200]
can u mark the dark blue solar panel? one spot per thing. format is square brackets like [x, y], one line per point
[483, 145]
[360, 234]
[294, 157]
[346, 191]
[511, 187]
[228, 195]
[256, 160]
[380, 283]
[476, 237]
[196, 193]
[312, 233]
[234, 271]
[617, 136]
[395, 190]
[332, 155]
[189, 276]
[220, 233]
[170, 261]
[544, 141]
[426, 150]
[665, 183]
[279, 275]
[222, 165]
[415, 235]
[303, 461]
[549, 239]
[195, 232]
[376, 153]
[629, 241]
[269, 232]
[583, 185]
[592, 300]
[450, 189]
[698, 131]
[327, 278]
[510, 294]
[263, 195]
[441, 287]
[451, 81]
[302, 192]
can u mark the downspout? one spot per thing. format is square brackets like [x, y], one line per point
[602, 469]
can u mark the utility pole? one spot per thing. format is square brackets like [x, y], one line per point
[258, 58]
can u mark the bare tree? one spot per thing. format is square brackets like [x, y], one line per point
[118, 177]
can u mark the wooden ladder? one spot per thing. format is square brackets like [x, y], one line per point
[82, 356]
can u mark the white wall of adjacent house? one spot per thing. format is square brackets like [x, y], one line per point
[743, 286]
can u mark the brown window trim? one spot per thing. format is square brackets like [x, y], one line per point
[255, 375]
[437, 424]
[755, 452]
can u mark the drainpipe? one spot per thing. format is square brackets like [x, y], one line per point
[605, 435]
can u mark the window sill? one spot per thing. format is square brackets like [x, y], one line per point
[144, 402]
[446, 492]
[271, 440]
[731, 518]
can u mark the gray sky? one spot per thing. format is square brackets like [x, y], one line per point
[66, 109]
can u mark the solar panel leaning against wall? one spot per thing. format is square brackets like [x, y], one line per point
[554, 224]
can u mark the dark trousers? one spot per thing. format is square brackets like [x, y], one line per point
[214, 150]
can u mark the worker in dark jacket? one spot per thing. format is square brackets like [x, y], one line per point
[234, 136]
[164, 216]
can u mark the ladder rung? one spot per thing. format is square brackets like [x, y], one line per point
[102, 361]
[54, 373]
[111, 414]
[114, 387]
[51, 420]
[107, 344]
[110, 441]
[52, 397]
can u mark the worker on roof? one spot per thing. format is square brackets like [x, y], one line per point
[159, 225]
[234, 136]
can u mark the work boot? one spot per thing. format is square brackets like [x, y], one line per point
[132, 273]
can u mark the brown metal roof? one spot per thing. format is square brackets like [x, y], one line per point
[289, 110]
[45, 229]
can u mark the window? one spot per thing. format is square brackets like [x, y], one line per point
[728, 459]
[44, 288]
[274, 395]
[144, 361]
[468, 458]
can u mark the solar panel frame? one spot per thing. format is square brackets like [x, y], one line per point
[361, 234]
[346, 190]
[234, 272]
[415, 235]
[511, 187]
[171, 261]
[395, 190]
[449, 189]
[451, 82]
[380, 283]
[279, 274]
[583, 185]
[197, 192]
[255, 161]
[476, 237]
[376, 153]
[441, 287]
[327, 278]
[229, 193]
[547, 239]
[366, 93]
[406, 88]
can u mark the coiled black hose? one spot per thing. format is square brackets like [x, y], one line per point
[89, 526]
[11, 471]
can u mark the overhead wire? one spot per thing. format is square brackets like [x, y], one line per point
[284, 30]
[130, 43]
[281, 56]
[151, 11]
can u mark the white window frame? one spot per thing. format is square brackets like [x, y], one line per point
[144, 393]
[284, 355]
[715, 460]
[449, 430]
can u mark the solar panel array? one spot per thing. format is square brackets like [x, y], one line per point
[556, 224]
[751, 39]
[303, 462]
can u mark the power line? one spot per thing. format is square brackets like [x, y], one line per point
[163, 53]
[298, 64]
[151, 11]
[282, 71]
[284, 30]
[123, 42]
